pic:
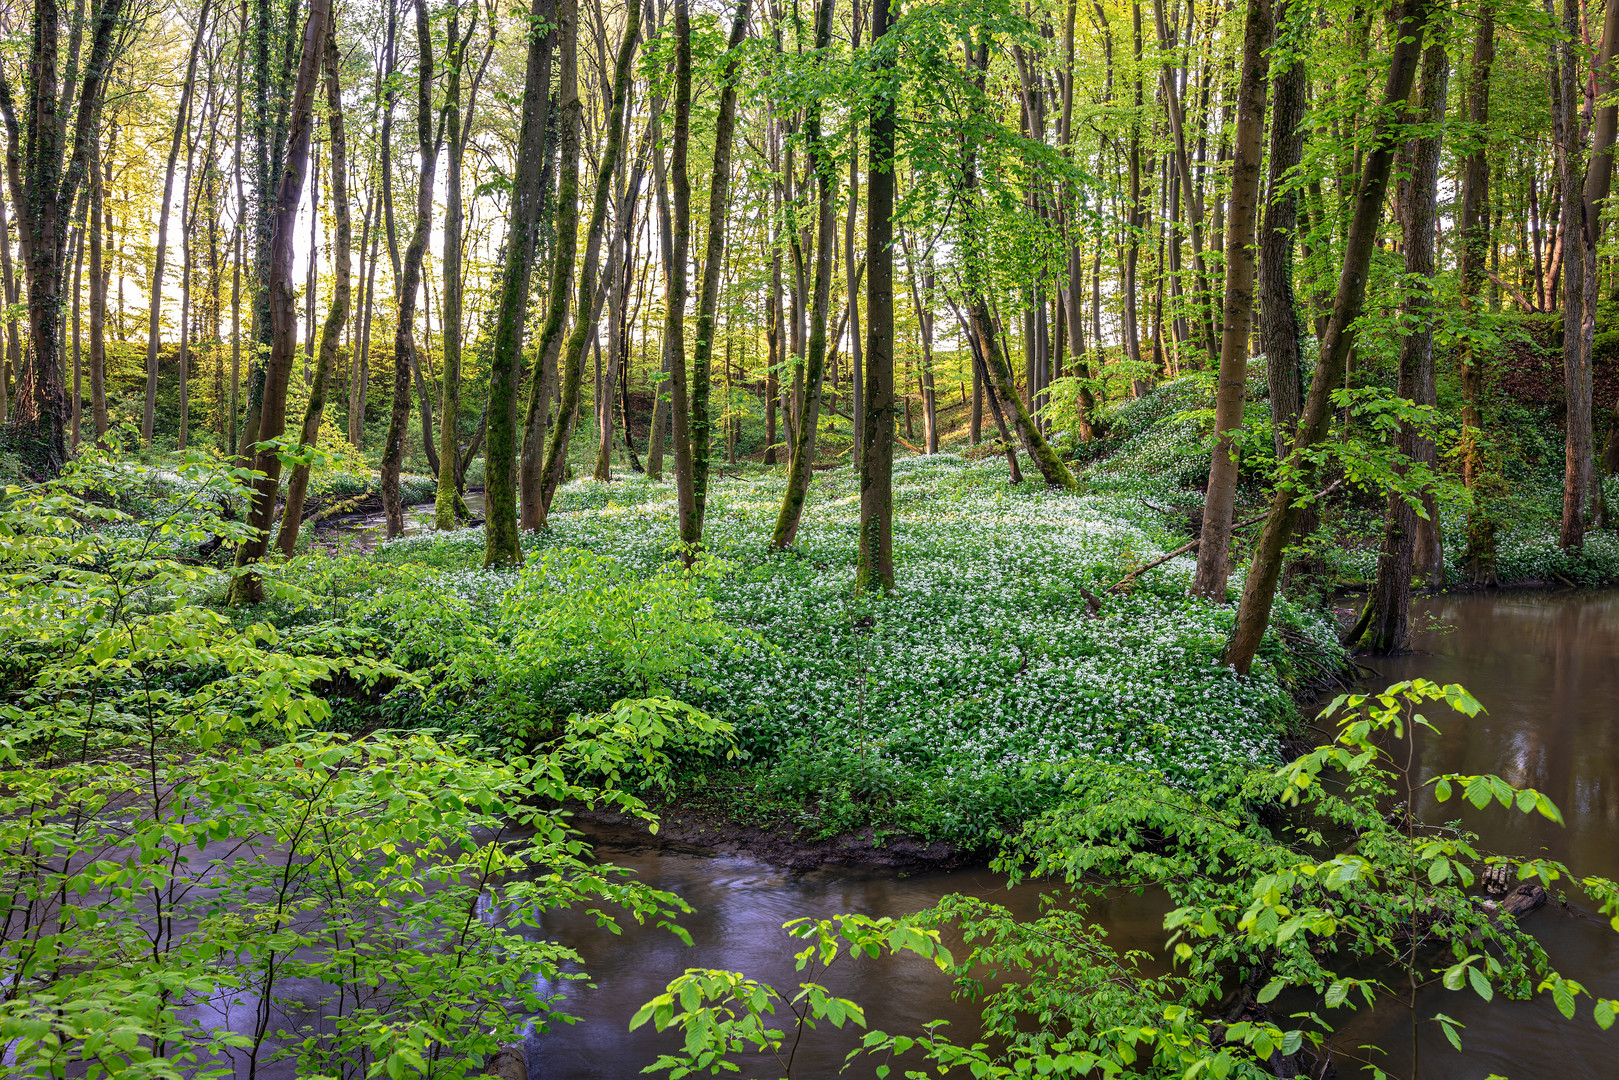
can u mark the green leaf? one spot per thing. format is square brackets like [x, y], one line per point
[1481, 985]
[1272, 988]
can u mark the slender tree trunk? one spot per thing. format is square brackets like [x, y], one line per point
[501, 542]
[719, 191]
[1213, 554]
[336, 316]
[246, 586]
[1598, 182]
[1385, 623]
[1576, 379]
[1475, 241]
[590, 295]
[876, 568]
[674, 333]
[809, 418]
[1259, 593]
[1279, 329]
[410, 280]
[100, 270]
[449, 451]
[541, 384]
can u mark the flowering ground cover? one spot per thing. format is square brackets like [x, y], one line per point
[960, 704]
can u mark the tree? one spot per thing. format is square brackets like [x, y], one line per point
[246, 587]
[336, 315]
[1384, 625]
[45, 168]
[410, 280]
[501, 546]
[1232, 392]
[1295, 484]
[876, 571]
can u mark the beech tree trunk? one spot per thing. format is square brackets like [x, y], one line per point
[809, 416]
[1577, 463]
[590, 296]
[541, 383]
[246, 586]
[1259, 593]
[336, 316]
[1475, 241]
[410, 280]
[1213, 553]
[719, 191]
[501, 543]
[876, 566]
[1279, 329]
[154, 317]
[1385, 624]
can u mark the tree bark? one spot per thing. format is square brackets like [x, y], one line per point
[876, 567]
[1213, 554]
[154, 317]
[410, 279]
[1259, 593]
[1385, 624]
[501, 542]
[590, 295]
[809, 417]
[1576, 374]
[246, 587]
[541, 383]
[713, 257]
[1279, 329]
[336, 316]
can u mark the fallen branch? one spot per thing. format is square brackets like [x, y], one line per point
[1523, 301]
[1125, 582]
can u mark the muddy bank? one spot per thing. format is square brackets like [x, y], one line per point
[694, 831]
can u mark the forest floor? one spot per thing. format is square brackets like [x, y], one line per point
[930, 723]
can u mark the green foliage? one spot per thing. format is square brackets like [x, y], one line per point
[180, 845]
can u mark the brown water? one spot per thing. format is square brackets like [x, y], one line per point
[1546, 666]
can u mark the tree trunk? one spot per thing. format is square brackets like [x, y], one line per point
[410, 279]
[1576, 375]
[1259, 593]
[541, 384]
[1279, 329]
[1598, 181]
[809, 417]
[501, 543]
[1214, 551]
[336, 316]
[590, 295]
[246, 586]
[1385, 625]
[449, 444]
[100, 272]
[1474, 245]
[713, 257]
[876, 567]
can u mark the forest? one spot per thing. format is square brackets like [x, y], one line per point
[950, 538]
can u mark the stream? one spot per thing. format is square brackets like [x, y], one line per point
[1545, 666]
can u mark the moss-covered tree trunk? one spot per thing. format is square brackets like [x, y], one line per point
[541, 384]
[589, 299]
[246, 586]
[501, 546]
